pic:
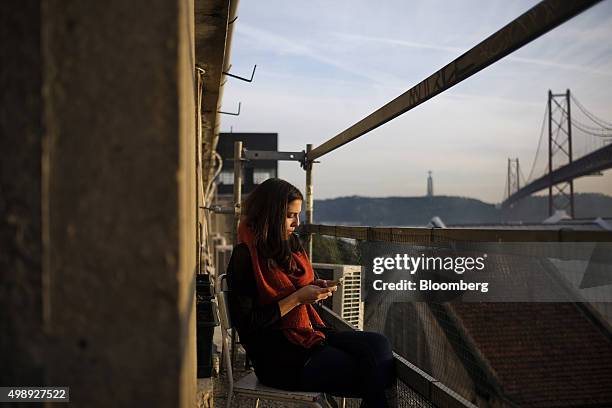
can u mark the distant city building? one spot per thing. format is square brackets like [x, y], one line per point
[254, 172]
[430, 192]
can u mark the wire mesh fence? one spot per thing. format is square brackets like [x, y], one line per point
[542, 338]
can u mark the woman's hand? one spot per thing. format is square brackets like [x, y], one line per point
[323, 283]
[313, 293]
[305, 295]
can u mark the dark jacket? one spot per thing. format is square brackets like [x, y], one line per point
[277, 361]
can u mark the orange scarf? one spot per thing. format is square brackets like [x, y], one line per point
[274, 284]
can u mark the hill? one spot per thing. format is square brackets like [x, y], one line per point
[418, 211]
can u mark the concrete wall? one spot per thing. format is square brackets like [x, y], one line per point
[21, 360]
[98, 198]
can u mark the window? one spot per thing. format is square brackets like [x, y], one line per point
[226, 177]
[261, 175]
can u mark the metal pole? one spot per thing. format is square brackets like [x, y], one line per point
[237, 201]
[569, 140]
[550, 194]
[237, 187]
[309, 201]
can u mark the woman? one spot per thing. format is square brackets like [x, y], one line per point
[272, 289]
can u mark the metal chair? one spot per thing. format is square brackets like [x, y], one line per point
[249, 385]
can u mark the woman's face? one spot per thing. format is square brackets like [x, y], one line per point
[294, 208]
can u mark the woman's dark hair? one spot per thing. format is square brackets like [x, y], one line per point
[266, 211]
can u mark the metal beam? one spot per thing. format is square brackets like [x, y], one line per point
[540, 19]
[273, 155]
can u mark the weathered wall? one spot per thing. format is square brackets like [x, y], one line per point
[20, 194]
[111, 119]
[187, 203]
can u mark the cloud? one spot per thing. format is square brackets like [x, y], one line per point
[283, 45]
[459, 51]
[559, 65]
[391, 41]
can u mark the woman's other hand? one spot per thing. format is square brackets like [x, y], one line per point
[323, 283]
[313, 293]
[306, 295]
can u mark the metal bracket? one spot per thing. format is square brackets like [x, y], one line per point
[304, 163]
[217, 209]
[241, 78]
[272, 155]
[232, 113]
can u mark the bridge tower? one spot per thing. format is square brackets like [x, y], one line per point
[513, 181]
[559, 151]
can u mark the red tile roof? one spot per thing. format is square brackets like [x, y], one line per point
[543, 354]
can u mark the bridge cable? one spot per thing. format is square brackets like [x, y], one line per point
[579, 126]
[522, 176]
[601, 122]
[535, 159]
[588, 129]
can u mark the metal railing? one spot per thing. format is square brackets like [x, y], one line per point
[437, 235]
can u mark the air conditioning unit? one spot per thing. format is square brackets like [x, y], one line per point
[346, 301]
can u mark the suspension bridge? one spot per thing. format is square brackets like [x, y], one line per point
[579, 145]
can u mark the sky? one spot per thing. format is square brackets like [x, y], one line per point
[323, 66]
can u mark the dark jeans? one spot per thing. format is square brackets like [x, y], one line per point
[352, 364]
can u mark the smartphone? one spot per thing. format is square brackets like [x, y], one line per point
[335, 282]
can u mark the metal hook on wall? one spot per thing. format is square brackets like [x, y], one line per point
[241, 78]
[232, 113]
